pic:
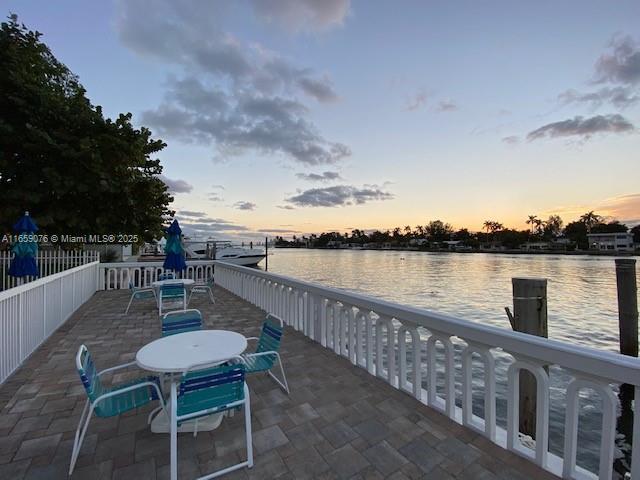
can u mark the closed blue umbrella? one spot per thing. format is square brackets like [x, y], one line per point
[174, 259]
[25, 249]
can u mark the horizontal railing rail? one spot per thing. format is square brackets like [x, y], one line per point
[122, 275]
[30, 313]
[387, 339]
[48, 261]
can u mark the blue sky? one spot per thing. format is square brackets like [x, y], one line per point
[462, 111]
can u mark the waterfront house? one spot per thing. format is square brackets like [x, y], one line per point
[617, 242]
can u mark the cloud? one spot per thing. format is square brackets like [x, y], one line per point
[233, 95]
[190, 214]
[625, 208]
[277, 230]
[417, 101]
[214, 197]
[319, 177]
[620, 97]
[447, 106]
[286, 207]
[297, 15]
[338, 195]
[176, 186]
[211, 227]
[511, 140]
[583, 127]
[621, 64]
[217, 186]
[244, 121]
[242, 205]
[620, 68]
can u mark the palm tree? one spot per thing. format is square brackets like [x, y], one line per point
[532, 221]
[407, 231]
[420, 230]
[590, 219]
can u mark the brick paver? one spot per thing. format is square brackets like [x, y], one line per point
[338, 422]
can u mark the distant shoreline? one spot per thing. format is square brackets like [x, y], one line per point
[593, 253]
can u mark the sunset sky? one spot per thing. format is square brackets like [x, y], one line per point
[298, 116]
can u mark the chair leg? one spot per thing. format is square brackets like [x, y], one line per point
[283, 383]
[211, 295]
[130, 300]
[174, 432]
[79, 438]
[247, 426]
[189, 300]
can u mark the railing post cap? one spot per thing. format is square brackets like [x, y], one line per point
[542, 281]
[625, 262]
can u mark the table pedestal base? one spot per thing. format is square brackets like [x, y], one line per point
[161, 424]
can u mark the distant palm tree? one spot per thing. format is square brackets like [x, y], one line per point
[590, 219]
[420, 230]
[407, 230]
[532, 221]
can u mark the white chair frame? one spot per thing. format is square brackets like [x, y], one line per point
[175, 419]
[84, 421]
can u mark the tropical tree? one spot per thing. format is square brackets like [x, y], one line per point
[590, 219]
[407, 231]
[532, 220]
[61, 159]
[438, 231]
[553, 226]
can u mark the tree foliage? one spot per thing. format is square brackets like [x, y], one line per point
[76, 171]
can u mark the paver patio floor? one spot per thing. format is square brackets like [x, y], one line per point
[339, 421]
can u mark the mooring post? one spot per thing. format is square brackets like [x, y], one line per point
[529, 316]
[627, 305]
[266, 254]
[628, 326]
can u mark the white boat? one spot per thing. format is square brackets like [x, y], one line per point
[224, 251]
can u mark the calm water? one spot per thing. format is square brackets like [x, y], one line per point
[582, 305]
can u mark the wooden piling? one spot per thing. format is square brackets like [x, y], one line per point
[627, 305]
[529, 316]
[266, 254]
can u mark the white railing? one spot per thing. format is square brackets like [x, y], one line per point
[30, 313]
[119, 275]
[375, 335]
[48, 261]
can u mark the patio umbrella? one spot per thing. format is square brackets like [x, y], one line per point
[25, 249]
[174, 259]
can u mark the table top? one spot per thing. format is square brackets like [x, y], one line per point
[178, 352]
[171, 281]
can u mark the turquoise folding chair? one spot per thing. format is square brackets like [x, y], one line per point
[109, 401]
[205, 392]
[206, 288]
[173, 293]
[181, 321]
[139, 293]
[267, 350]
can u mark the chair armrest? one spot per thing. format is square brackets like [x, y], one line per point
[118, 367]
[252, 338]
[128, 389]
[261, 354]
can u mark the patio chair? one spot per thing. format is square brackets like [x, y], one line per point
[166, 276]
[266, 354]
[181, 321]
[109, 401]
[139, 293]
[172, 293]
[206, 288]
[205, 392]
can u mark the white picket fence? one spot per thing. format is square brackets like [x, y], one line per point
[48, 261]
[121, 275]
[388, 340]
[30, 313]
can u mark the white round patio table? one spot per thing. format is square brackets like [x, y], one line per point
[170, 281]
[176, 353]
